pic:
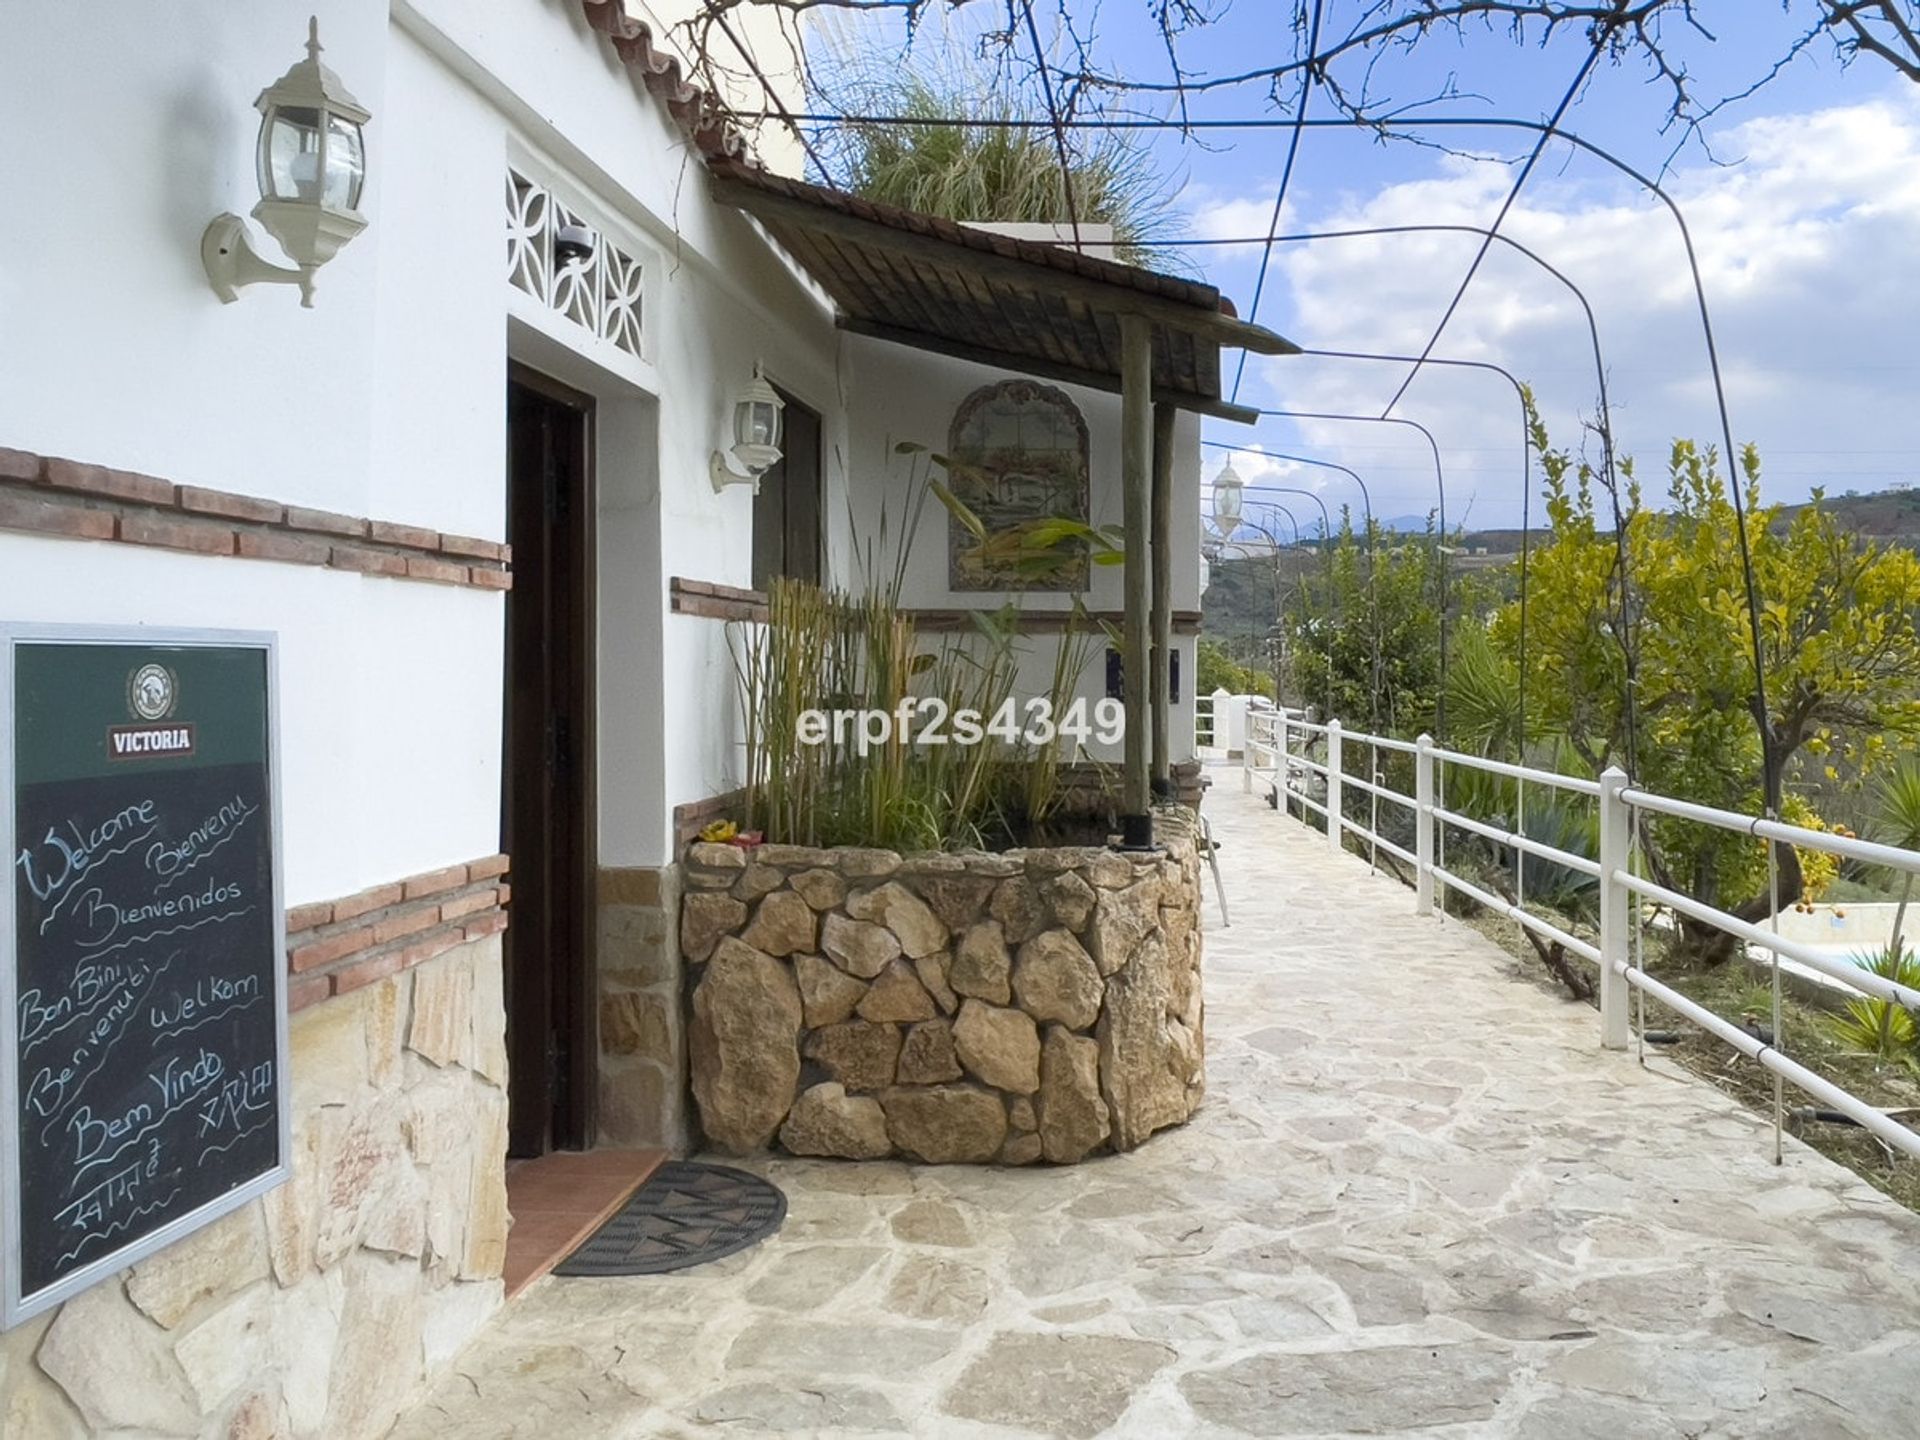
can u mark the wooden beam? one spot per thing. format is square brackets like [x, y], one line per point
[1034, 365]
[1161, 524]
[779, 211]
[1136, 478]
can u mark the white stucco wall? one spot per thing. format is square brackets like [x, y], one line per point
[116, 350]
[387, 398]
[906, 395]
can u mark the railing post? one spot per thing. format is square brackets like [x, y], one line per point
[1246, 757]
[1281, 740]
[1334, 841]
[1616, 824]
[1423, 826]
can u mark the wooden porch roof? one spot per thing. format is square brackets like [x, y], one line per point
[1019, 305]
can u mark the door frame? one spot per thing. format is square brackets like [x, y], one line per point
[778, 487]
[568, 1002]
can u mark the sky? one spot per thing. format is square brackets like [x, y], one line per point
[1806, 218]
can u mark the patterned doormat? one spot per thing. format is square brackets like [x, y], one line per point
[687, 1213]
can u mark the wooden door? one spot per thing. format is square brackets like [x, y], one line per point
[547, 782]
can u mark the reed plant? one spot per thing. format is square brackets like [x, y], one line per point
[834, 650]
[828, 651]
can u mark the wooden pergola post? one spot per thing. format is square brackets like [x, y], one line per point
[1160, 689]
[1136, 479]
[930, 284]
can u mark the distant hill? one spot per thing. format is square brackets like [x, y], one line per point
[1886, 515]
[1239, 602]
[1405, 524]
[1889, 515]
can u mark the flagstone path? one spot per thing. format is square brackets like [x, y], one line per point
[1419, 1200]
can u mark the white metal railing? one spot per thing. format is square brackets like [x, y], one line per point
[1206, 720]
[1278, 745]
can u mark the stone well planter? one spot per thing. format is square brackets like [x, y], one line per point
[994, 1008]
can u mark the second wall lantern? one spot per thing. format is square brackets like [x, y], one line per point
[756, 436]
[311, 160]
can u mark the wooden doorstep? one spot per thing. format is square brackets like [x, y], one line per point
[560, 1199]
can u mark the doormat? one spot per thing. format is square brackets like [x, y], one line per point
[687, 1213]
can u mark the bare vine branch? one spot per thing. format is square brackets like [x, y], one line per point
[1345, 64]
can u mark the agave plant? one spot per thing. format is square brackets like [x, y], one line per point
[1898, 817]
[1483, 697]
[1881, 1028]
[1565, 825]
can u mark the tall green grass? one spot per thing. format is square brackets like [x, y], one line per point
[832, 650]
[986, 170]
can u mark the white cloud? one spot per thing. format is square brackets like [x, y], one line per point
[1808, 252]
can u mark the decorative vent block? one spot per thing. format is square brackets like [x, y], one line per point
[600, 291]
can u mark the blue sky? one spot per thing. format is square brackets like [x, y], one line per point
[1808, 230]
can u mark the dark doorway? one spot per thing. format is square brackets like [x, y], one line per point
[786, 512]
[547, 783]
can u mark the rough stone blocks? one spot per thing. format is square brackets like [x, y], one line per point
[1040, 1004]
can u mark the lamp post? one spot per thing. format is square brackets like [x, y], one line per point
[311, 164]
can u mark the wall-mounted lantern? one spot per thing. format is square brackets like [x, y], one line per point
[756, 436]
[312, 163]
[1227, 488]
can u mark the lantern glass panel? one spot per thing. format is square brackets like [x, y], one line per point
[290, 154]
[346, 164]
[757, 423]
[1226, 505]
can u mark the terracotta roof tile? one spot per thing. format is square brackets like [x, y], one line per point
[699, 113]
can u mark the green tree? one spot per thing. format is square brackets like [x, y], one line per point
[1366, 638]
[1219, 671]
[1642, 655]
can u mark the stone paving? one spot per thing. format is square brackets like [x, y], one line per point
[1417, 1200]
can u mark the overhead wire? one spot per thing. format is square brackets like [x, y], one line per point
[1513, 195]
[1280, 198]
[1059, 132]
[780, 106]
[1761, 709]
[1459, 294]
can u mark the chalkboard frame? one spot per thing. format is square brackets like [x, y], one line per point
[15, 1306]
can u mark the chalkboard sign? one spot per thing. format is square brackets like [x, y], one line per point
[143, 1044]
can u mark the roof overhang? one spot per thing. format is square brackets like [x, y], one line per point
[1020, 305]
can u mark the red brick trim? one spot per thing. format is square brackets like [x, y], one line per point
[693, 817]
[337, 946]
[48, 495]
[715, 602]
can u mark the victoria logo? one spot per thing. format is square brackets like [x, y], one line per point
[152, 692]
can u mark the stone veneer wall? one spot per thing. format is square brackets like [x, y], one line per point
[1038, 1004]
[643, 1060]
[321, 1309]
